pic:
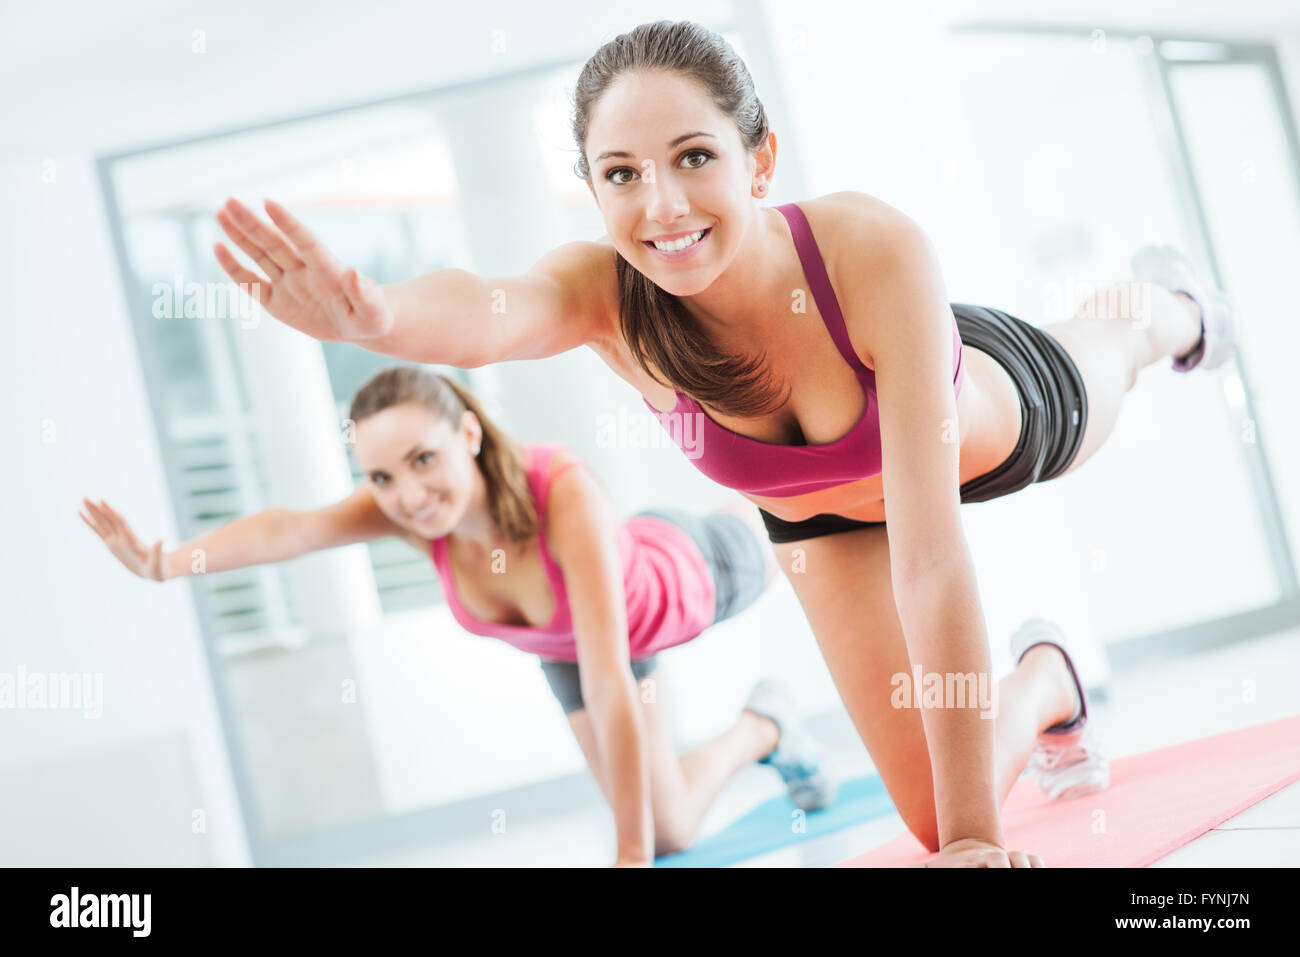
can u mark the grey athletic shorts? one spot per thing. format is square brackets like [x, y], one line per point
[1053, 408]
[735, 560]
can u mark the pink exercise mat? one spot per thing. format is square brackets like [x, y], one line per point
[1156, 802]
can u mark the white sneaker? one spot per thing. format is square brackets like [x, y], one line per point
[809, 778]
[1067, 761]
[1166, 266]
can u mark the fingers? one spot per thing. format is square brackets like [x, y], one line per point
[117, 519]
[242, 240]
[351, 280]
[307, 245]
[250, 280]
[93, 527]
[156, 561]
[99, 519]
[267, 247]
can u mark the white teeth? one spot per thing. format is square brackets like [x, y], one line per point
[676, 244]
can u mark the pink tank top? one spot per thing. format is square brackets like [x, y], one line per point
[667, 585]
[763, 468]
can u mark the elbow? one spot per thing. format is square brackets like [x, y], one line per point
[611, 694]
[931, 578]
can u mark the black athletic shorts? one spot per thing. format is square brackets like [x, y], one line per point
[1053, 407]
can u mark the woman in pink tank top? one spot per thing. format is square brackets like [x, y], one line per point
[800, 355]
[528, 551]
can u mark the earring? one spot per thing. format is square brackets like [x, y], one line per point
[476, 448]
[762, 187]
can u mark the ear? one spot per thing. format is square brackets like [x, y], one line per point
[472, 428]
[765, 161]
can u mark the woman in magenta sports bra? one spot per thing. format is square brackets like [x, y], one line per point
[528, 552]
[813, 353]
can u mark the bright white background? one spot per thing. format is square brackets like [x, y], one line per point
[877, 98]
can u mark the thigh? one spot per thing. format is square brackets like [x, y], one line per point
[843, 583]
[1100, 351]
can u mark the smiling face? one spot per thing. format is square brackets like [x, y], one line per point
[666, 164]
[422, 469]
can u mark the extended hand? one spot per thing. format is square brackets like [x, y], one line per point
[122, 542]
[972, 852]
[305, 287]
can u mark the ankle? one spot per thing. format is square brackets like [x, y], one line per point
[766, 732]
[1062, 704]
[1191, 339]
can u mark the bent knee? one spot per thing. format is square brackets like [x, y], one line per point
[672, 840]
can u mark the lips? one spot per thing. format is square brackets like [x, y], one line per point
[429, 513]
[678, 255]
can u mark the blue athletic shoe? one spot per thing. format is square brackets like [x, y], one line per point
[797, 757]
[1166, 266]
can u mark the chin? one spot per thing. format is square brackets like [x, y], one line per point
[681, 280]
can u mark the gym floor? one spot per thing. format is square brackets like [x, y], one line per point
[1151, 706]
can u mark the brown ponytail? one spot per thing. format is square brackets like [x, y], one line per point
[500, 460]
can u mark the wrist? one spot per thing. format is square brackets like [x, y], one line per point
[996, 839]
[169, 567]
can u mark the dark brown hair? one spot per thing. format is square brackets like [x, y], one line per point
[500, 459]
[655, 324]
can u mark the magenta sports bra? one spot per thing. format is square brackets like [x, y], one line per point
[765, 468]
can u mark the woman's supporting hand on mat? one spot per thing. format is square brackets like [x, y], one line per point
[973, 852]
[305, 288]
[147, 562]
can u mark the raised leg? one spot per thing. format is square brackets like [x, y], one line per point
[1114, 335]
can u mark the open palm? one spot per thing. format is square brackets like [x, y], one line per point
[304, 286]
[122, 542]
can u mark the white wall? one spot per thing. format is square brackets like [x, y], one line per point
[120, 788]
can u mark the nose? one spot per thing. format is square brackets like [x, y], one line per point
[414, 497]
[666, 200]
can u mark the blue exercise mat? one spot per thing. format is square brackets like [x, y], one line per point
[771, 825]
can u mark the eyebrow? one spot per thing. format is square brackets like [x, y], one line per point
[608, 154]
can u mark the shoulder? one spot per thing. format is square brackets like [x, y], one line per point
[851, 226]
[578, 509]
[876, 255]
[587, 271]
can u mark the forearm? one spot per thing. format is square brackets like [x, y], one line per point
[621, 739]
[266, 536]
[442, 317]
[944, 626]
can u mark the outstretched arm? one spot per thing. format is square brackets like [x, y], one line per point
[271, 535]
[447, 317]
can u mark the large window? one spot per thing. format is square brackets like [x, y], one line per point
[1175, 519]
